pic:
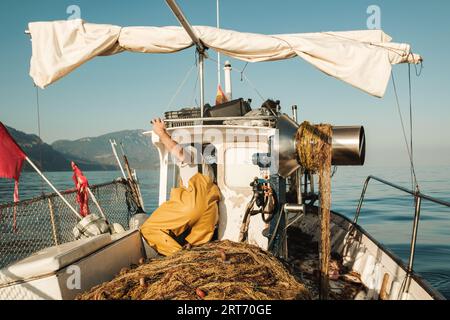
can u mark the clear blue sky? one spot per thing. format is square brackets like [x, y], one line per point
[125, 91]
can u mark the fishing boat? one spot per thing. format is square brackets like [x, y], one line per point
[250, 148]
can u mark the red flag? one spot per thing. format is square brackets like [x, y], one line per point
[220, 96]
[81, 183]
[11, 159]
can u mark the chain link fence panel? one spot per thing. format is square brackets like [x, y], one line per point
[31, 225]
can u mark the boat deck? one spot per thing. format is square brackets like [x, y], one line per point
[304, 263]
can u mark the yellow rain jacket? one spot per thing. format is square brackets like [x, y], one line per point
[194, 207]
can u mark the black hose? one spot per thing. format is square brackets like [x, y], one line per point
[248, 211]
[275, 206]
[263, 214]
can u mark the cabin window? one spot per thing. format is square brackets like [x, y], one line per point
[173, 176]
[239, 167]
[209, 153]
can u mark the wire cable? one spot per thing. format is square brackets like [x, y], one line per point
[180, 86]
[193, 99]
[244, 77]
[41, 164]
[411, 160]
[411, 122]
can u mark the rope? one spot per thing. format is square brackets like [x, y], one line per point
[254, 88]
[41, 164]
[411, 160]
[314, 150]
[180, 86]
[242, 71]
[193, 99]
[410, 124]
[418, 71]
[244, 77]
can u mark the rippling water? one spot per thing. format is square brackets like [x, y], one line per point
[387, 214]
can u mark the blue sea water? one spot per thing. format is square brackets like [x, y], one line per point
[387, 214]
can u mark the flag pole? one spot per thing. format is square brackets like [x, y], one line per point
[53, 187]
[96, 202]
[218, 53]
[113, 146]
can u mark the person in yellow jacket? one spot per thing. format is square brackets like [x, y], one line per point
[192, 206]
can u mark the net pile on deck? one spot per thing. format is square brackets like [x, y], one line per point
[222, 270]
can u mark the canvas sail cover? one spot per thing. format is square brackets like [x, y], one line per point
[362, 59]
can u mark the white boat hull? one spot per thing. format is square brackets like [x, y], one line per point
[62, 272]
[51, 273]
[365, 256]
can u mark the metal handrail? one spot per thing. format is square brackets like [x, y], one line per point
[211, 119]
[395, 186]
[69, 191]
[418, 196]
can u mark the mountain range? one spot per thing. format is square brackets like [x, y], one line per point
[91, 153]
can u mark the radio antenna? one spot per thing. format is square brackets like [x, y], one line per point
[218, 53]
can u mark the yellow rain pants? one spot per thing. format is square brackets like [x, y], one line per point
[194, 207]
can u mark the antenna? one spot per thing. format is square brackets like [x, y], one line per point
[201, 49]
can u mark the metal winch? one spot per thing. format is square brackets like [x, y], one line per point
[281, 167]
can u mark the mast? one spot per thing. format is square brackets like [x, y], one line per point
[218, 53]
[201, 49]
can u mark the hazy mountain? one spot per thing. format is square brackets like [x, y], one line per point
[91, 154]
[141, 153]
[52, 160]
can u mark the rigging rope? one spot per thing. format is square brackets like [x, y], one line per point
[408, 145]
[180, 86]
[411, 124]
[193, 98]
[41, 164]
[244, 77]
[253, 87]
[242, 71]
[418, 74]
[418, 71]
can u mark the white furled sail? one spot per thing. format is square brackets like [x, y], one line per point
[362, 59]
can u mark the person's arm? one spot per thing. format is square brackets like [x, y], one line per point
[159, 128]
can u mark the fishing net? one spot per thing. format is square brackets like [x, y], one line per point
[314, 150]
[221, 270]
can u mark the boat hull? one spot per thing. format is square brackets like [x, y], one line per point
[381, 272]
[49, 274]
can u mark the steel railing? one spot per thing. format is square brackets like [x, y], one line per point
[189, 122]
[418, 196]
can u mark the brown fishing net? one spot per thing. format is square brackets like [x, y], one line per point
[221, 270]
[314, 150]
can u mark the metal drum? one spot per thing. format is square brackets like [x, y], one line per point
[348, 146]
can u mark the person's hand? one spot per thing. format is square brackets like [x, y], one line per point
[159, 128]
